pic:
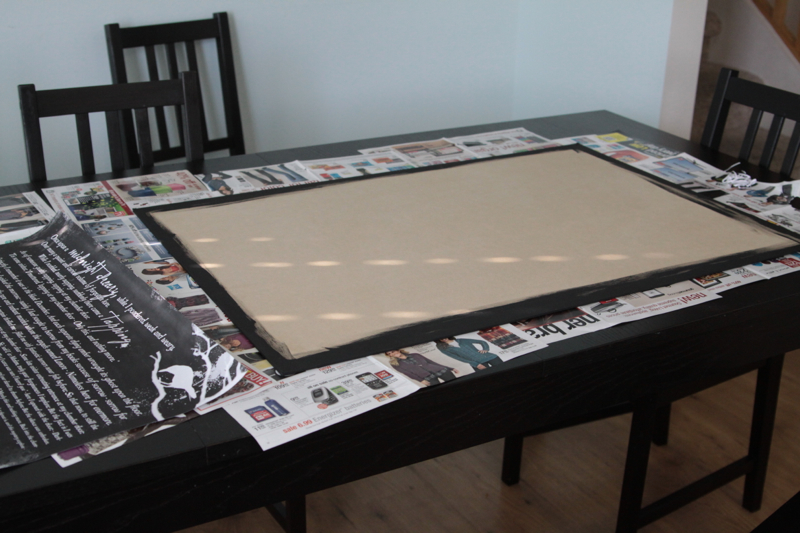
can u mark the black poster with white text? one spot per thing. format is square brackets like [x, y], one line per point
[87, 349]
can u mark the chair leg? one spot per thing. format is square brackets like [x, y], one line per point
[764, 408]
[661, 430]
[291, 514]
[512, 459]
[630, 504]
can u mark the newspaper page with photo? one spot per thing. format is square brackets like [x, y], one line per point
[647, 148]
[436, 362]
[101, 200]
[729, 279]
[426, 153]
[650, 303]
[500, 142]
[229, 182]
[315, 399]
[21, 215]
[787, 217]
[762, 198]
[560, 326]
[776, 267]
[683, 168]
[608, 145]
[357, 165]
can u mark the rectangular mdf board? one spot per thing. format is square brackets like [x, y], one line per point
[323, 273]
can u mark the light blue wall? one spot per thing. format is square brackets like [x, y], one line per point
[582, 55]
[317, 71]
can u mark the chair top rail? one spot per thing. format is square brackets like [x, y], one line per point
[58, 102]
[174, 32]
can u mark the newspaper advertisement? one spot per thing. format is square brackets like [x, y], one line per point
[500, 142]
[315, 399]
[763, 197]
[101, 200]
[127, 239]
[446, 359]
[729, 279]
[560, 326]
[647, 148]
[650, 303]
[683, 168]
[357, 165]
[615, 150]
[787, 217]
[427, 153]
[256, 178]
[22, 215]
[776, 267]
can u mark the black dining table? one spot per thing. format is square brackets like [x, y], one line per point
[209, 467]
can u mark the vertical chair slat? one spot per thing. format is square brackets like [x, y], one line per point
[230, 94]
[772, 141]
[32, 131]
[161, 121]
[143, 136]
[750, 134]
[172, 63]
[191, 56]
[85, 143]
[115, 141]
[718, 112]
[791, 151]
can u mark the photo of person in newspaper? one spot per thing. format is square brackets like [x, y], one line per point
[168, 270]
[419, 368]
[471, 351]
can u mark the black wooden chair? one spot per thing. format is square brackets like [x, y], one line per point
[651, 416]
[111, 99]
[169, 35]
[761, 98]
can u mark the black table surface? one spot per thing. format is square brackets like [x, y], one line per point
[209, 467]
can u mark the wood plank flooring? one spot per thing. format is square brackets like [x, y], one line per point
[571, 478]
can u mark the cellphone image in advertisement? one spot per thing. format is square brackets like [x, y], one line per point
[371, 380]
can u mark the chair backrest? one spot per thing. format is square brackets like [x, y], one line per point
[761, 98]
[111, 99]
[169, 35]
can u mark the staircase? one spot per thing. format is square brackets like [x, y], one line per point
[736, 32]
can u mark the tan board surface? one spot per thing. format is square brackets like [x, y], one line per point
[324, 267]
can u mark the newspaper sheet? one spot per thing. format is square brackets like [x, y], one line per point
[100, 200]
[561, 326]
[683, 168]
[499, 142]
[256, 178]
[763, 197]
[650, 303]
[315, 399]
[426, 153]
[432, 363]
[356, 165]
[729, 279]
[787, 217]
[22, 215]
[622, 148]
[776, 267]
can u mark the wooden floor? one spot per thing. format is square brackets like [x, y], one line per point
[570, 478]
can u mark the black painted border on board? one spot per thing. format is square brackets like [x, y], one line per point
[425, 331]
